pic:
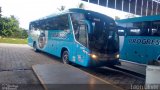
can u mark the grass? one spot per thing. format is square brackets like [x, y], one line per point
[13, 40]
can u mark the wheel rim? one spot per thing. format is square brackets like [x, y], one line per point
[65, 58]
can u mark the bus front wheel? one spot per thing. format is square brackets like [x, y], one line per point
[65, 57]
[35, 47]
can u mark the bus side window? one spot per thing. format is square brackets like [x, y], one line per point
[63, 23]
[156, 28]
[121, 32]
[145, 30]
[76, 31]
[157, 33]
[83, 35]
[56, 23]
[33, 26]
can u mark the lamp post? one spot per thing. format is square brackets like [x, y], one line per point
[0, 11]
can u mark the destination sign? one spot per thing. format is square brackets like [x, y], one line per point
[144, 41]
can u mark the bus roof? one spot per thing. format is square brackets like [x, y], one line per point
[75, 10]
[52, 15]
[139, 19]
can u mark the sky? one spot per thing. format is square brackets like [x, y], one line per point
[28, 10]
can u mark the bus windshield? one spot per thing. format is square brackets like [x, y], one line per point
[102, 36]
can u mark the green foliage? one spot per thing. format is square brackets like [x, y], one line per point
[61, 8]
[81, 5]
[13, 40]
[117, 18]
[9, 27]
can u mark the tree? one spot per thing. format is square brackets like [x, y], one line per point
[61, 8]
[117, 18]
[0, 11]
[9, 27]
[24, 33]
[81, 5]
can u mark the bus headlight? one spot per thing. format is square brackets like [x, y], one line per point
[93, 56]
[117, 56]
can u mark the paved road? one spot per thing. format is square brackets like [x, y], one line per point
[141, 69]
[16, 64]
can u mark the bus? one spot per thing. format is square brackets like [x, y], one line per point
[140, 39]
[83, 37]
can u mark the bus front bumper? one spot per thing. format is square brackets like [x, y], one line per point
[106, 62]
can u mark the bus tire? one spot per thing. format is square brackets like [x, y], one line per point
[65, 57]
[35, 47]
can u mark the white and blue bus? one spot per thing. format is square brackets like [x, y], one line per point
[77, 36]
[140, 39]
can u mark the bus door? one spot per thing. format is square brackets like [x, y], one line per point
[155, 31]
[81, 36]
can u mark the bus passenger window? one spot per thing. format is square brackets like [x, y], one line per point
[63, 23]
[56, 23]
[121, 32]
[156, 28]
[83, 35]
[157, 33]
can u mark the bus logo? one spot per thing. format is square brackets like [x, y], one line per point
[42, 40]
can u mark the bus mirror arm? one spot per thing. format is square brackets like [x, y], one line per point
[68, 32]
[125, 34]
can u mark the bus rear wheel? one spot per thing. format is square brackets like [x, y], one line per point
[65, 57]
